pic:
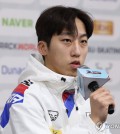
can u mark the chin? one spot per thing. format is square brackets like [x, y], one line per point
[73, 74]
[70, 73]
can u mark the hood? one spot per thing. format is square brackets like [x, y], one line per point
[37, 72]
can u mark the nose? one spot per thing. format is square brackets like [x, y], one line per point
[76, 49]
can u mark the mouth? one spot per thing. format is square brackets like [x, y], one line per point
[75, 64]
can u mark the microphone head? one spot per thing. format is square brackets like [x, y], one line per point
[88, 80]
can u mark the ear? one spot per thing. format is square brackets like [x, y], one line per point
[42, 48]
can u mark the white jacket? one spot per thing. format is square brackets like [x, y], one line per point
[36, 105]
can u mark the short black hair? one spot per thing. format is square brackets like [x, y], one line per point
[55, 19]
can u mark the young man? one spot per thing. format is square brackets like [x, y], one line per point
[47, 99]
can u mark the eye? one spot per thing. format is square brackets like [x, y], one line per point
[67, 40]
[83, 42]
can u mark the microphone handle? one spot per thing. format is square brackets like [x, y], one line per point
[94, 86]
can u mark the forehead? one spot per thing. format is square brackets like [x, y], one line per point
[66, 32]
[79, 29]
[80, 26]
[73, 34]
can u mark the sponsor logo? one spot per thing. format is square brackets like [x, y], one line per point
[10, 68]
[93, 72]
[54, 131]
[6, 70]
[13, 22]
[20, 22]
[106, 28]
[15, 98]
[110, 66]
[53, 115]
[103, 27]
[107, 68]
[104, 50]
[18, 46]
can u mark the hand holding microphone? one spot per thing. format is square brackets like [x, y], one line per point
[93, 86]
[90, 82]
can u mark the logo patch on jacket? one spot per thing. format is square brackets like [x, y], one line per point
[53, 115]
[17, 96]
[54, 131]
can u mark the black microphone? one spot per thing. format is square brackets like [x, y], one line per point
[94, 86]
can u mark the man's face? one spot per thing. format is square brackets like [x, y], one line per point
[67, 52]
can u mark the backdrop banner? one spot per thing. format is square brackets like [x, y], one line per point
[18, 40]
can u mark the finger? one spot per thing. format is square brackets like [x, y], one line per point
[101, 97]
[100, 93]
[107, 100]
[99, 90]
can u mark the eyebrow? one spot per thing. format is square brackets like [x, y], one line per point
[83, 35]
[67, 33]
[73, 34]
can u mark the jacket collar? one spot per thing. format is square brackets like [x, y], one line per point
[36, 71]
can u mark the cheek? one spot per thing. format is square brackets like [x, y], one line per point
[60, 59]
[85, 54]
[86, 51]
[61, 54]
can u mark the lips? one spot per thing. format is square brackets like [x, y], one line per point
[75, 64]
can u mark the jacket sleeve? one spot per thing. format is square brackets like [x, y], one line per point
[94, 129]
[28, 117]
[87, 127]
